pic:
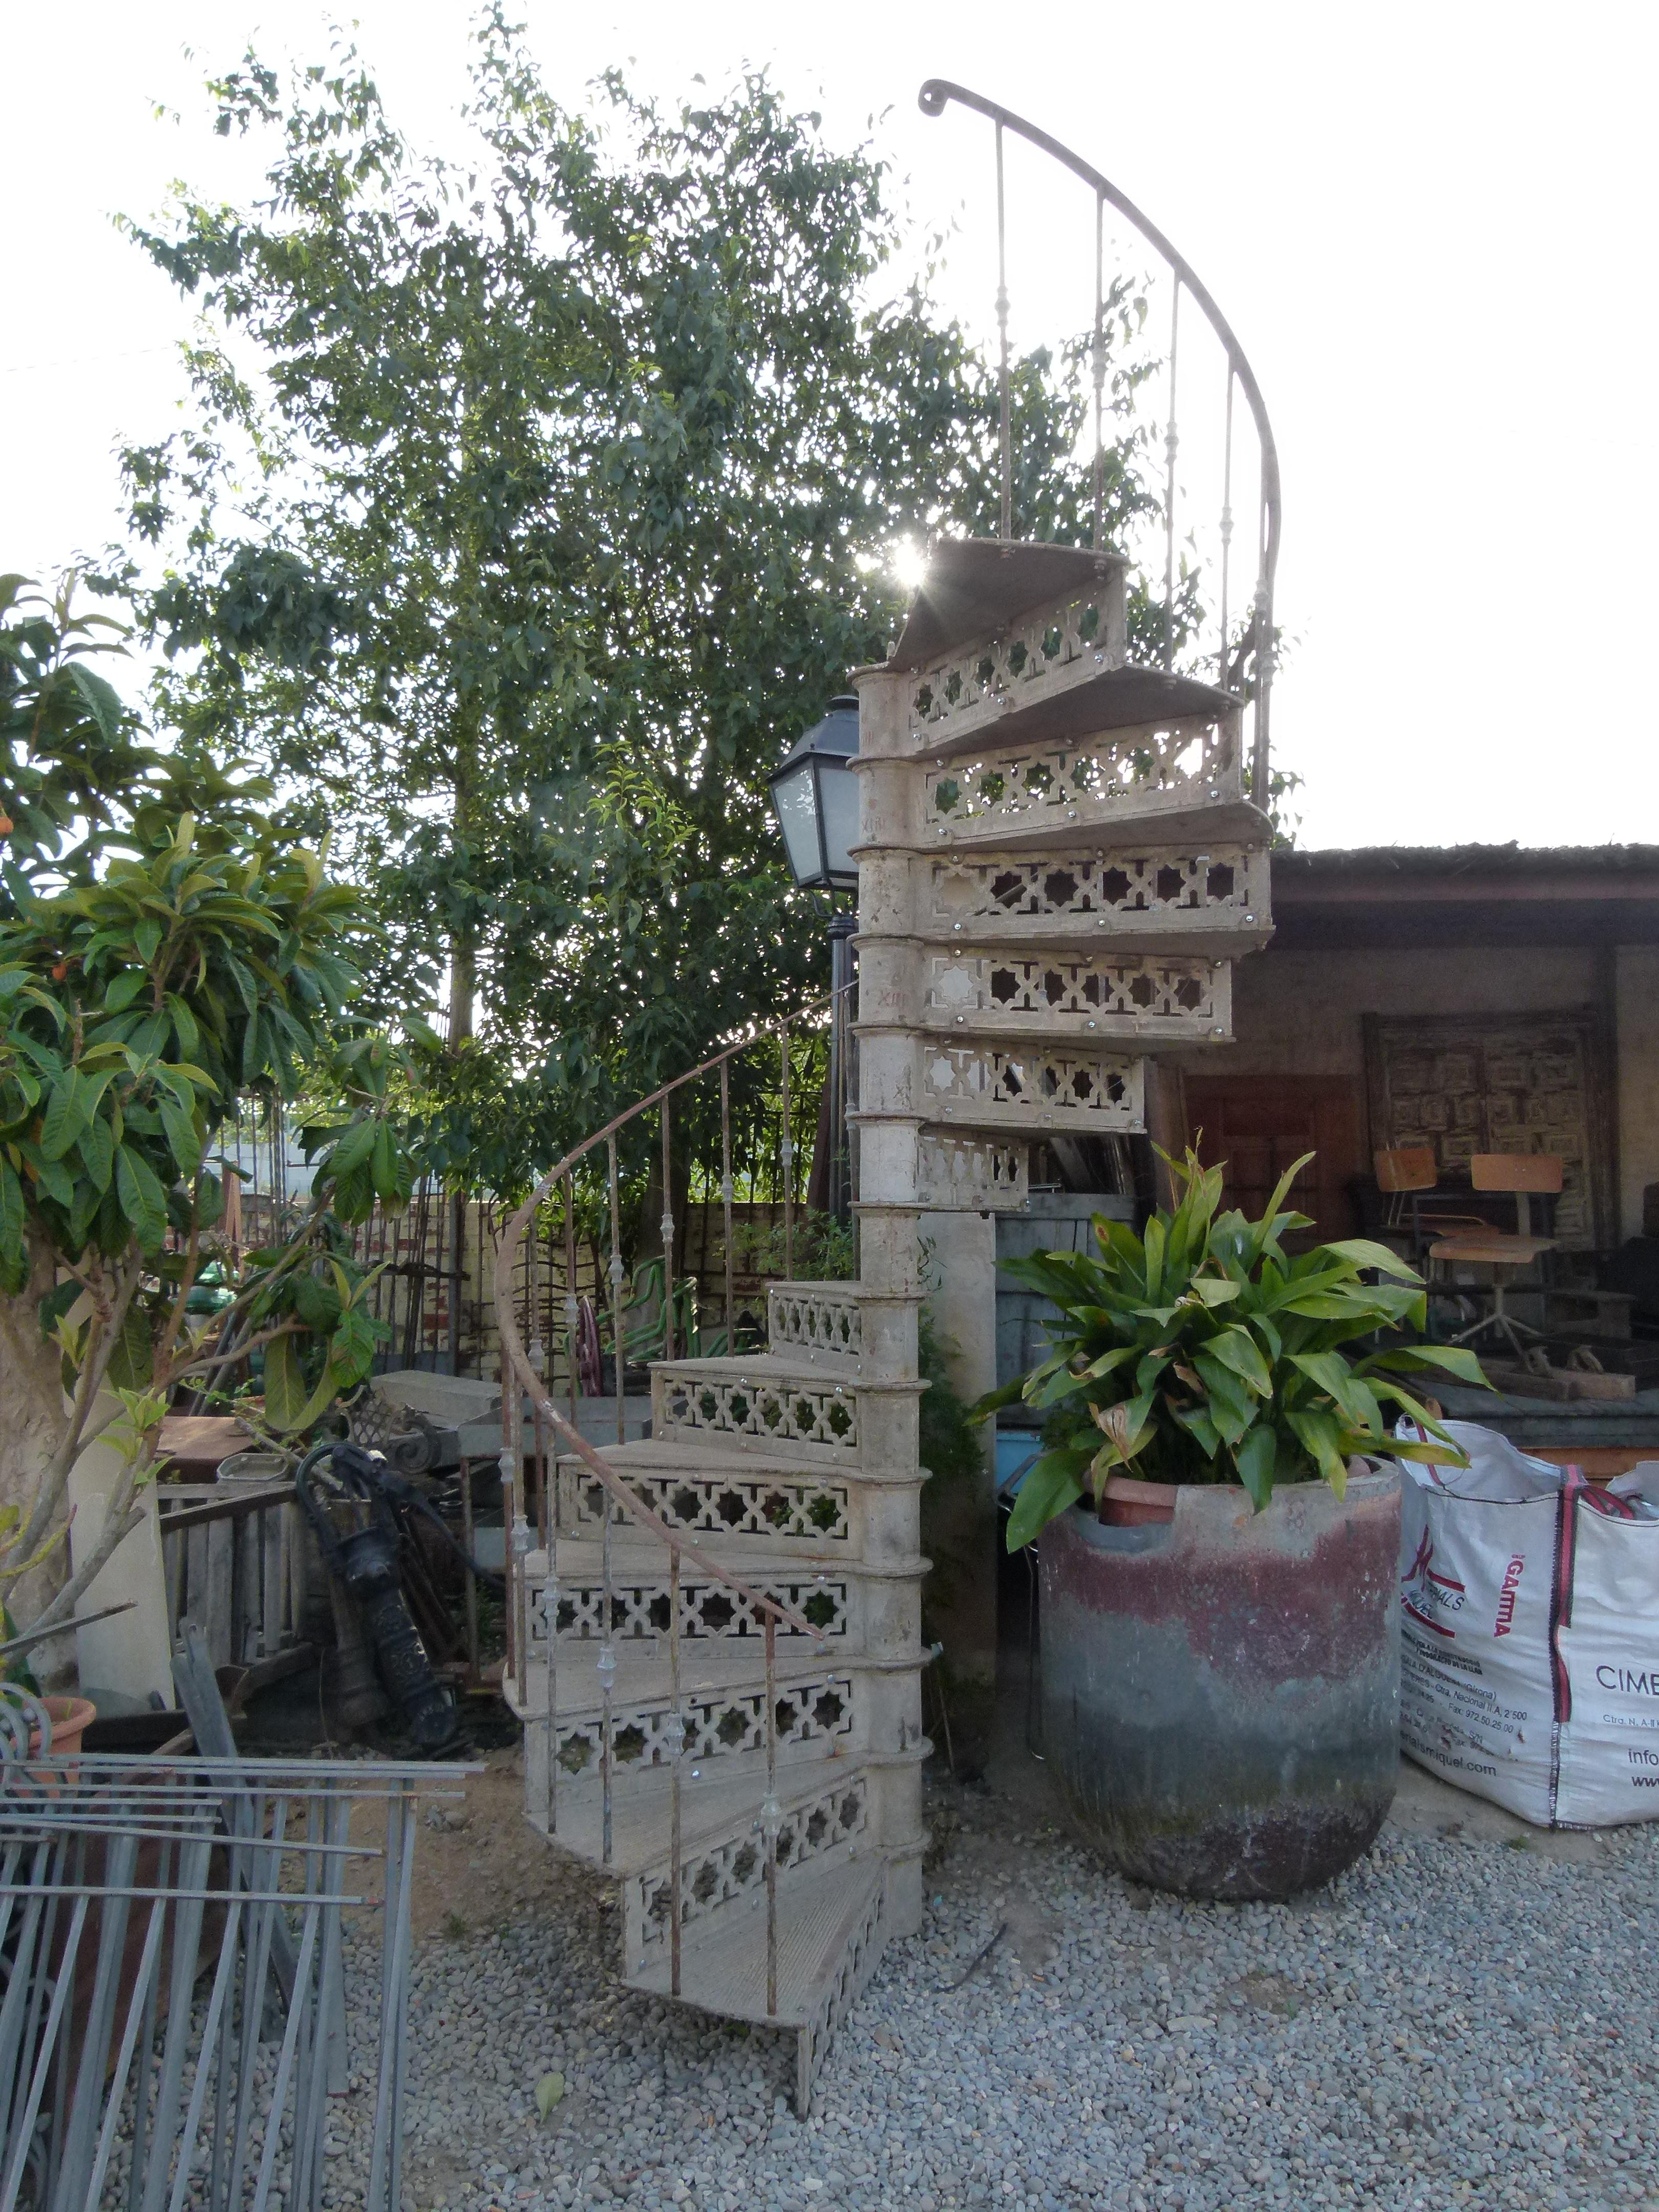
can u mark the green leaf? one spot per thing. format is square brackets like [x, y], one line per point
[143, 1199]
[62, 1122]
[1455, 1359]
[147, 938]
[387, 1185]
[317, 1304]
[288, 1407]
[1256, 1457]
[1365, 1254]
[123, 990]
[132, 1360]
[99, 698]
[97, 1151]
[1321, 1439]
[1049, 1488]
[183, 1142]
[13, 1257]
[1237, 1349]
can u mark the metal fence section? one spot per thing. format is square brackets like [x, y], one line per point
[174, 1953]
[740, 1174]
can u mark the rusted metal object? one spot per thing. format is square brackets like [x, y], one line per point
[1221, 1695]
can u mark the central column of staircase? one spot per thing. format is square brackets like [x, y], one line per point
[720, 1666]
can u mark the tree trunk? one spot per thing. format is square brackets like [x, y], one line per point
[31, 1424]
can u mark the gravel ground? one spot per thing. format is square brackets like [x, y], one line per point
[1455, 2022]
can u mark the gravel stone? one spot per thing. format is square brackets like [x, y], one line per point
[1452, 2023]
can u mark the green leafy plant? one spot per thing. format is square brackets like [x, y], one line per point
[1200, 1351]
[154, 977]
[524, 513]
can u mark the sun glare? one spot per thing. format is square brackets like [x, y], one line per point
[910, 562]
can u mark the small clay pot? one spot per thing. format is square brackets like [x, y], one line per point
[1130, 1503]
[71, 1718]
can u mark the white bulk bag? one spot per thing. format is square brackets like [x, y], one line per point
[1529, 1651]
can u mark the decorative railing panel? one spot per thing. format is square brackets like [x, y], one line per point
[723, 1504]
[1032, 1088]
[771, 1412]
[641, 1607]
[1116, 888]
[713, 1726]
[1060, 647]
[732, 1870]
[962, 1175]
[1186, 995]
[1094, 783]
[814, 1318]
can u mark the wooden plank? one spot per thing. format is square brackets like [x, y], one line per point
[194, 1599]
[215, 1610]
[272, 1542]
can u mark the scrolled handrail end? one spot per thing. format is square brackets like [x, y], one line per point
[934, 96]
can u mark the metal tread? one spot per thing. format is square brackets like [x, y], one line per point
[749, 1459]
[780, 1371]
[1150, 815]
[722, 1806]
[641, 1555]
[642, 1677]
[723, 1961]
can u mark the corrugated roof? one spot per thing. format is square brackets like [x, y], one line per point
[1467, 859]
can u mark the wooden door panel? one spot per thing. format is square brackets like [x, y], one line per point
[1255, 1126]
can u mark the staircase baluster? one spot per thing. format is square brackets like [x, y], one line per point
[771, 1815]
[617, 1361]
[787, 1156]
[675, 1734]
[572, 1312]
[725, 1205]
[666, 1225]
[1226, 521]
[607, 1666]
[467, 1539]
[1171, 441]
[551, 1626]
[1097, 370]
[1007, 442]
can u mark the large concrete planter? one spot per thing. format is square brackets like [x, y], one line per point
[1221, 1695]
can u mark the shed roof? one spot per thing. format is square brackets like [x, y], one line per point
[1401, 896]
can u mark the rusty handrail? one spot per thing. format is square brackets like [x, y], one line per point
[935, 96]
[513, 1354]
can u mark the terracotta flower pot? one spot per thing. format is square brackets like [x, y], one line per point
[71, 1718]
[1131, 1504]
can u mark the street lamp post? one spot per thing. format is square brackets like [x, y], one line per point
[815, 793]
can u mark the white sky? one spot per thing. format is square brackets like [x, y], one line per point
[1431, 227]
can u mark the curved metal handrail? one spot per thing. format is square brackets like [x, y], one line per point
[934, 97]
[518, 1374]
[515, 1356]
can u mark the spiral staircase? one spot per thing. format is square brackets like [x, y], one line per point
[718, 1661]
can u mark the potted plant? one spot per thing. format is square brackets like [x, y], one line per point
[1220, 1643]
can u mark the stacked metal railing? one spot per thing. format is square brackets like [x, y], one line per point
[112, 1874]
[524, 1379]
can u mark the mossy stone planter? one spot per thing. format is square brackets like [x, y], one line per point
[1221, 1695]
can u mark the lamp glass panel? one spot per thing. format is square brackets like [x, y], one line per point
[838, 794]
[796, 802]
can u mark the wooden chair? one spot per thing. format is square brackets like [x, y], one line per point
[1523, 1176]
[1404, 1175]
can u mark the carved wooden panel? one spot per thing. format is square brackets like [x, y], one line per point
[1521, 1083]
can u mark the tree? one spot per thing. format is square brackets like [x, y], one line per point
[155, 971]
[529, 513]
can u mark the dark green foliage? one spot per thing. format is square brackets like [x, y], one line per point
[952, 1449]
[1200, 1352]
[564, 501]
